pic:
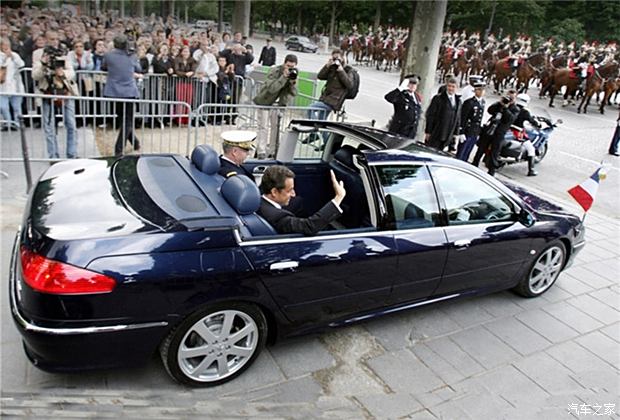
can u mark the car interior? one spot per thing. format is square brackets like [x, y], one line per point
[312, 183]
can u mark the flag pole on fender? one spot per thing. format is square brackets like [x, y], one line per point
[585, 192]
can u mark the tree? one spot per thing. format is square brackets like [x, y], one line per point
[424, 42]
[568, 30]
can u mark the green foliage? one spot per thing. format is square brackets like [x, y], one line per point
[568, 30]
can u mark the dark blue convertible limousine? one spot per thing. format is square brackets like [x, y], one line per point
[119, 258]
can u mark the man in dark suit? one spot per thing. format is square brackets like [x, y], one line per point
[237, 145]
[123, 68]
[278, 187]
[407, 108]
[268, 55]
[442, 117]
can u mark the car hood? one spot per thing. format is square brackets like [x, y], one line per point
[533, 201]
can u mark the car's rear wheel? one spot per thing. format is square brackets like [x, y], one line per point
[215, 344]
[544, 271]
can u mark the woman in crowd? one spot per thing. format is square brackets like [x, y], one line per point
[10, 82]
[185, 69]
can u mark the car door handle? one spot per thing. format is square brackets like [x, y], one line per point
[259, 169]
[285, 265]
[462, 244]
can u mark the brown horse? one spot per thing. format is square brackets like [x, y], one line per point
[525, 73]
[559, 61]
[559, 78]
[610, 87]
[477, 65]
[345, 47]
[501, 71]
[461, 67]
[446, 62]
[596, 82]
[356, 49]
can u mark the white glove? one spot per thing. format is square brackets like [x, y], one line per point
[404, 85]
[462, 138]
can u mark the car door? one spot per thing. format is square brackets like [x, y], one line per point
[325, 277]
[487, 243]
[412, 214]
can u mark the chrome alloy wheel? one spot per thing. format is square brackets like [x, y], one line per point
[218, 345]
[546, 269]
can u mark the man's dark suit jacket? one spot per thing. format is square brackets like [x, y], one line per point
[228, 169]
[283, 221]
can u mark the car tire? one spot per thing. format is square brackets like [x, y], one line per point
[544, 271]
[199, 353]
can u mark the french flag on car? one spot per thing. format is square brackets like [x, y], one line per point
[585, 192]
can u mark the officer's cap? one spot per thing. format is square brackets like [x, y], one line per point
[239, 138]
[413, 78]
[479, 85]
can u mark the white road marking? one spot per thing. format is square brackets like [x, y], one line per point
[587, 160]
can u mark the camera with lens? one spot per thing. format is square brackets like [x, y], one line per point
[506, 100]
[293, 73]
[55, 57]
[336, 63]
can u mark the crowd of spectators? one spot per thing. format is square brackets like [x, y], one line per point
[162, 47]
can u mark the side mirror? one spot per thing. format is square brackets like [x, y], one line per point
[526, 218]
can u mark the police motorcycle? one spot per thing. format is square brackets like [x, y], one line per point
[514, 147]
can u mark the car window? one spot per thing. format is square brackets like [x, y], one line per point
[310, 145]
[410, 197]
[469, 199]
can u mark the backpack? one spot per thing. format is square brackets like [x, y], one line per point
[355, 82]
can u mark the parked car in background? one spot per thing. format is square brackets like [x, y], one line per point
[300, 43]
[120, 258]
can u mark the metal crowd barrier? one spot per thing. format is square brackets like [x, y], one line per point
[270, 122]
[95, 133]
[154, 87]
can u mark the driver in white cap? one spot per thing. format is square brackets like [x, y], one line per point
[237, 145]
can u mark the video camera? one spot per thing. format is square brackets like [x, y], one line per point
[293, 73]
[56, 57]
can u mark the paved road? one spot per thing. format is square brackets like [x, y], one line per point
[498, 356]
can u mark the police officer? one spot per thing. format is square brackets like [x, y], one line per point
[468, 91]
[471, 121]
[237, 145]
[523, 100]
[407, 107]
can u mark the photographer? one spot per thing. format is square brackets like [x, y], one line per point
[54, 75]
[335, 71]
[123, 69]
[503, 114]
[280, 87]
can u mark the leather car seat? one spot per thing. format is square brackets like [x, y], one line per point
[355, 204]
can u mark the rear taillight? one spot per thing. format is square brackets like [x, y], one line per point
[49, 276]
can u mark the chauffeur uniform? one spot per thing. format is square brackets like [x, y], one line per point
[238, 138]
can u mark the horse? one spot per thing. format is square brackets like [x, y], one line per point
[559, 78]
[461, 67]
[389, 55]
[559, 61]
[345, 45]
[596, 82]
[477, 65]
[446, 62]
[610, 86]
[356, 48]
[502, 71]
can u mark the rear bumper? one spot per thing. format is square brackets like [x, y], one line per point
[82, 348]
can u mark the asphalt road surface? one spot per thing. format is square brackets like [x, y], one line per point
[576, 148]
